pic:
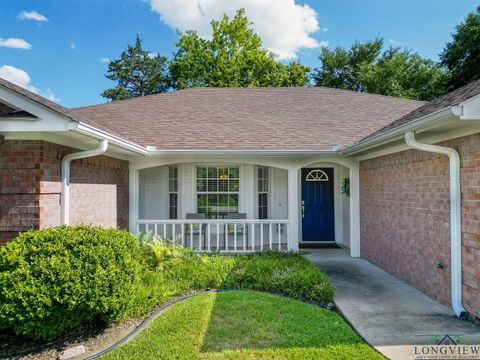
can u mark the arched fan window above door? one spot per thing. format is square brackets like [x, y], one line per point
[316, 175]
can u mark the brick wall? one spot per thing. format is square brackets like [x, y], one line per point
[30, 187]
[20, 174]
[405, 218]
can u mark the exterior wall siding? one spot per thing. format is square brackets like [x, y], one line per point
[279, 194]
[154, 201]
[405, 218]
[30, 188]
[153, 193]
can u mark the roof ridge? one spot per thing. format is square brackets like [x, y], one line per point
[207, 88]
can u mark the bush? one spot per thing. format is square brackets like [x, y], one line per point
[175, 270]
[56, 279]
[171, 270]
[287, 274]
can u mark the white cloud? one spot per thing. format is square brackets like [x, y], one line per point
[323, 44]
[104, 60]
[283, 26]
[21, 78]
[31, 15]
[17, 76]
[73, 45]
[15, 43]
[50, 95]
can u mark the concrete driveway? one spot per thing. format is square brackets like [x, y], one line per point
[387, 312]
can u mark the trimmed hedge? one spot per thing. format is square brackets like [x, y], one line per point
[56, 279]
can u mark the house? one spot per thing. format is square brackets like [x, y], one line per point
[257, 169]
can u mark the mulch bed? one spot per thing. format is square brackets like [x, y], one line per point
[94, 338]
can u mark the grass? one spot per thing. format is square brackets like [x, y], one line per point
[246, 325]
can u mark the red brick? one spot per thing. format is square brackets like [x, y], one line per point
[405, 218]
[30, 186]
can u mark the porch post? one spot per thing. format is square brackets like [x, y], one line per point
[132, 199]
[293, 205]
[354, 210]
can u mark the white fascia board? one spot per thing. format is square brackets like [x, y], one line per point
[250, 153]
[398, 132]
[47, 119]
[91, 131]
[470, 109]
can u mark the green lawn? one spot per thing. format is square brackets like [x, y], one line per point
[246, 325]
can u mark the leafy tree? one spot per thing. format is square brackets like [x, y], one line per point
[137, 73]
[405, 74]
[366, 67]
[233, 57]
[462, 55]
[344, 69]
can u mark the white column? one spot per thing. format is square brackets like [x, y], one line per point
[249, 191]
[132, 199]
[354, 211]
[293, 206]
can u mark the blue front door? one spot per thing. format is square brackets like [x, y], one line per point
[318, 222]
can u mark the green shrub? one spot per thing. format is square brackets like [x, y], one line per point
[171, 270]
[56, 279]
[287, 274]
[177, 270]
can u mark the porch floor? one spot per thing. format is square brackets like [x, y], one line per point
[387, 312]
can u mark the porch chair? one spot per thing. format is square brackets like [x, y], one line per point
[196, 228]
[240, 229]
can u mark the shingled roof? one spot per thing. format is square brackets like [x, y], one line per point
[308, 118]
[450, 99]
[313, 118]
[69, 113]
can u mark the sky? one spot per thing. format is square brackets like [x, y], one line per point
[60, 49]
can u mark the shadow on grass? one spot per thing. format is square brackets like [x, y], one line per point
[245, 325]
[244, 320]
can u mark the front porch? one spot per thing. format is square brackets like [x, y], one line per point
[231, 206]
[225, 235]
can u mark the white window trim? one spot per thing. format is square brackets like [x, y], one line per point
[170, 192]
[268, 192]
[241, 181]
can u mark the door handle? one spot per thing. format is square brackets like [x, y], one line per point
[303, 211]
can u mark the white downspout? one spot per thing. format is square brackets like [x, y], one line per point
[67, 159]
[455, 218]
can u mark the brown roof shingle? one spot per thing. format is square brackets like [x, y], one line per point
[450, 99]
[57, 108]
[255, 118]
[309, 118]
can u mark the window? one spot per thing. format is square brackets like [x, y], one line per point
[173, 190]
[217, 191]
[262, 175]
[317, 175]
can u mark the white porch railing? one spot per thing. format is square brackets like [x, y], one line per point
[222, 235]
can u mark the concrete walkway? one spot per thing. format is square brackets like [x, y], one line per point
[387, 312]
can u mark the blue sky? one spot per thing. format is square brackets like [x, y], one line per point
[62, 56]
